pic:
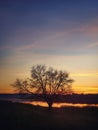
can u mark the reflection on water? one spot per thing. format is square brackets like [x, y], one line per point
[58, 105]
[44, 104]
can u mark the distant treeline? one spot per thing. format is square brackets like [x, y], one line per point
[73, 98]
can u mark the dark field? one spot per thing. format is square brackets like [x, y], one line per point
[17, 116]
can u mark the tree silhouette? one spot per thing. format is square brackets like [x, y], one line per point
[46, 81]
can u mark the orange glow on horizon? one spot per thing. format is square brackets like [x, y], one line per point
[85, 89]
[75, 89]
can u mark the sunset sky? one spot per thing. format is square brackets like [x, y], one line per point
[58, 33]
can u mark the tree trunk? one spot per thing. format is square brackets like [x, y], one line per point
[50, 106]
[49, 101]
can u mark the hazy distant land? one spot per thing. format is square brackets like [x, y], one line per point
[74, 98]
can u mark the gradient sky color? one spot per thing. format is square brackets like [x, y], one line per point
[59, 33]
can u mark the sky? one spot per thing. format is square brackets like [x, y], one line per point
[62, 34]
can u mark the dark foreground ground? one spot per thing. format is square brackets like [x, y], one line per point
[16, 116]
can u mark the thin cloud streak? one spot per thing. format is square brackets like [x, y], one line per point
[85, 74]
[93, 45]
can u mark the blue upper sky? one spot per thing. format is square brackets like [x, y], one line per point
[44, 15]
[64, 22]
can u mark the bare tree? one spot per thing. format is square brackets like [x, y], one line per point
[46, 81]
[22, 86]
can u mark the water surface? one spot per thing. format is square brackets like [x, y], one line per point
[58, 105]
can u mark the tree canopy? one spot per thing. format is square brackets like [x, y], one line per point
[46, 81]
